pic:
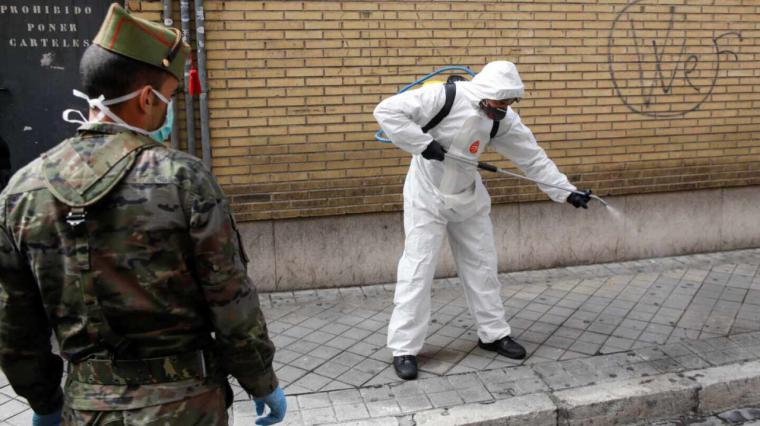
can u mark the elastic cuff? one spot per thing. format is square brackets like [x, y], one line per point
[262, 385]
[417, 149]
[49, 406]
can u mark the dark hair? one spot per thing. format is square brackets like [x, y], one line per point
[103, 72]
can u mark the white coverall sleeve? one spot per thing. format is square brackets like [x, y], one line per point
[519, 145]
[400, 114]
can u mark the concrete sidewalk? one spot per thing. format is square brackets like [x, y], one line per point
[616, 343]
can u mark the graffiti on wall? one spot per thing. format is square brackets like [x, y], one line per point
[661, 63]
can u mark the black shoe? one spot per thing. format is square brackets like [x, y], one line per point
[505, 347]
[405, 366]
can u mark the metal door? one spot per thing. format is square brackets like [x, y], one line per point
[41, 42]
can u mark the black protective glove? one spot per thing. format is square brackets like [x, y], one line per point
[580, 199]
[434, 151]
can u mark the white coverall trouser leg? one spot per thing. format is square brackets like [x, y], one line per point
[474, 251]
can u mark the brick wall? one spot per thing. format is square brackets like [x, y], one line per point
[626, 97]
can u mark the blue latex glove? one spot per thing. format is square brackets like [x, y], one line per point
[277, 407]
[52, 419]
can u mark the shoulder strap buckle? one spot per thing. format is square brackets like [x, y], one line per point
[76, 217]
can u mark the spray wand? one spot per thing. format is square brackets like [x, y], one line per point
[492, 168]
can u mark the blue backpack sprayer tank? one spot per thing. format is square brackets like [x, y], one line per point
[380, 136]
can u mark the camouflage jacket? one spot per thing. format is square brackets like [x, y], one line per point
[162, 255]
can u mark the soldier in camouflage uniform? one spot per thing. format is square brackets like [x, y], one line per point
[128, 251]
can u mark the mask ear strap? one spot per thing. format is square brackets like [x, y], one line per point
[160, 96]
[67, 116]
[104, 110]
[79, 94]
[120, 99]
[93, 103]
[100, 103]
[67, 113]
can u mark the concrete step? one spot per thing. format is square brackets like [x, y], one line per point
[700, 392]
[643, 400]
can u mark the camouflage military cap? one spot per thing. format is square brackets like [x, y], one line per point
[143, 40]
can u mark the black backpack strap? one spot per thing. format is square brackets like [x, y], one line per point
[494, 129]
[451, 92]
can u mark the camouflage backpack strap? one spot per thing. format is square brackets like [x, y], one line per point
[79, 173]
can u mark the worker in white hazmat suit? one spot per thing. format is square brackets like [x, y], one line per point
[444, 195]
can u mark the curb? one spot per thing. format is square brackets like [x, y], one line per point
[622, 402]
[536, 409]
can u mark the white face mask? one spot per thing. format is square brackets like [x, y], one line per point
[101, 103]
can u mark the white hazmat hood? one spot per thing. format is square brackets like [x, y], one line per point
[497, 80]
